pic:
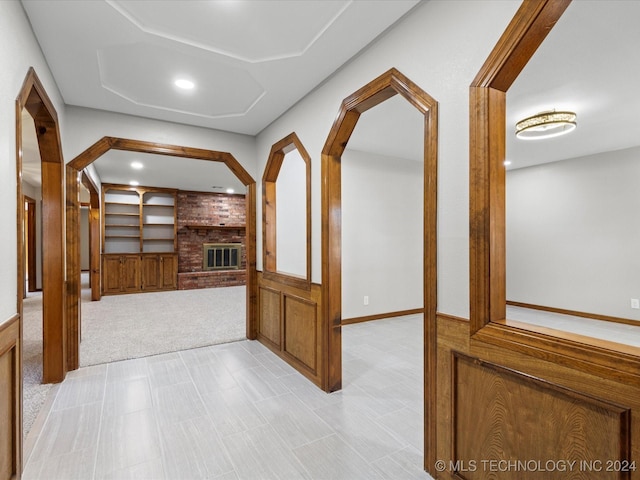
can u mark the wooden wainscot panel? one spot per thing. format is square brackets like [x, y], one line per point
[300, 331]
[269, 321]
[507, 424]
[289, 324]
[10, 431]
[497, 404]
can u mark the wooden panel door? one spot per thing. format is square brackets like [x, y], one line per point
[151, 272]
[131, 279]
[111, 274]
[168, 271]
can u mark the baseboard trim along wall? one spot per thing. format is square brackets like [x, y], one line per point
[380, 316]
[575, 313]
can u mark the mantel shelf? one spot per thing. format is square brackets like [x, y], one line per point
[196, 226]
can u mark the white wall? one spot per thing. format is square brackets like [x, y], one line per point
[86, 126]
[573, 231]
[441, 46]
[18, 51]
[291, 216]
[382, 219]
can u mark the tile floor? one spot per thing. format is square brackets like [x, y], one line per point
[236, 411]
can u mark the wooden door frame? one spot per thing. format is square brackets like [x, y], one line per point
[35, 100]
[382, 88]
[33, 97]
[30, 243]
[105, 144]
[94, 235]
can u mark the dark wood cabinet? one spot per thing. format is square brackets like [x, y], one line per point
[159, 271]
[145, 272]
[121, 273]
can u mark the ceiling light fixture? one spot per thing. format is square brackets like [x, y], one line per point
[230, 190]
[184, 84]
[507, 163]
[134, 183]
[546, 125]
[136, 165]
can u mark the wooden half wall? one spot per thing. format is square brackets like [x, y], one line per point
[10, 396]
[289, 323]
[507, 415]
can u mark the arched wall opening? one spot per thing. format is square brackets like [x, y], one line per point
[382, 88]
[111, 143]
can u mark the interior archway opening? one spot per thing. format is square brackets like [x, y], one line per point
[384, 87]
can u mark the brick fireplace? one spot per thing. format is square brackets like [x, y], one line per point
[209, 218]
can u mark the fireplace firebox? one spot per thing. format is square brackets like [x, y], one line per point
[221, 256]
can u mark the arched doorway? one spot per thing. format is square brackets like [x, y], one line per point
[34, 99]
[382, 88]
[111, 143]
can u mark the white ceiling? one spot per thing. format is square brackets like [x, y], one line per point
[589, 65]
[251, 60]
[243, 54]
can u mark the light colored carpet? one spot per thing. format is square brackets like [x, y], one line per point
[34, 392]
[121, 327]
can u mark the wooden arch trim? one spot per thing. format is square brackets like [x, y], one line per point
[380, 89]
[114, 143]
[35, 100]
[272, 169]
[488, 323]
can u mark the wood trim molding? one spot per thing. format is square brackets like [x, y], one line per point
[30, 238]
[563, 311]
[488, 322]
[72, 184]
[528, 29]
[34, 99]
[377, 91]
[381, 316]
[94, 236]
[11, 415]
[108, 143]
[269, 222]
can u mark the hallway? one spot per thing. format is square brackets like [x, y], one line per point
[236, 411]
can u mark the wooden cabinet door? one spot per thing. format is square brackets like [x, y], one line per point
[111, 274]
[169, 271]
[151, 277]
[131, 273]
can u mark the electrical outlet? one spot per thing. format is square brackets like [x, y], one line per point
[635, 303]
[366, 299]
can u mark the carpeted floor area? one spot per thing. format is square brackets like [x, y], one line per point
[34, 392]
[120, 327]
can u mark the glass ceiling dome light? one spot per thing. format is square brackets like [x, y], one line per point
[546, 125]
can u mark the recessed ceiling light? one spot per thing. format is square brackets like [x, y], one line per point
[184, 84]
[136, 165]
[507, 163]
[134, 183]
[230, 190]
